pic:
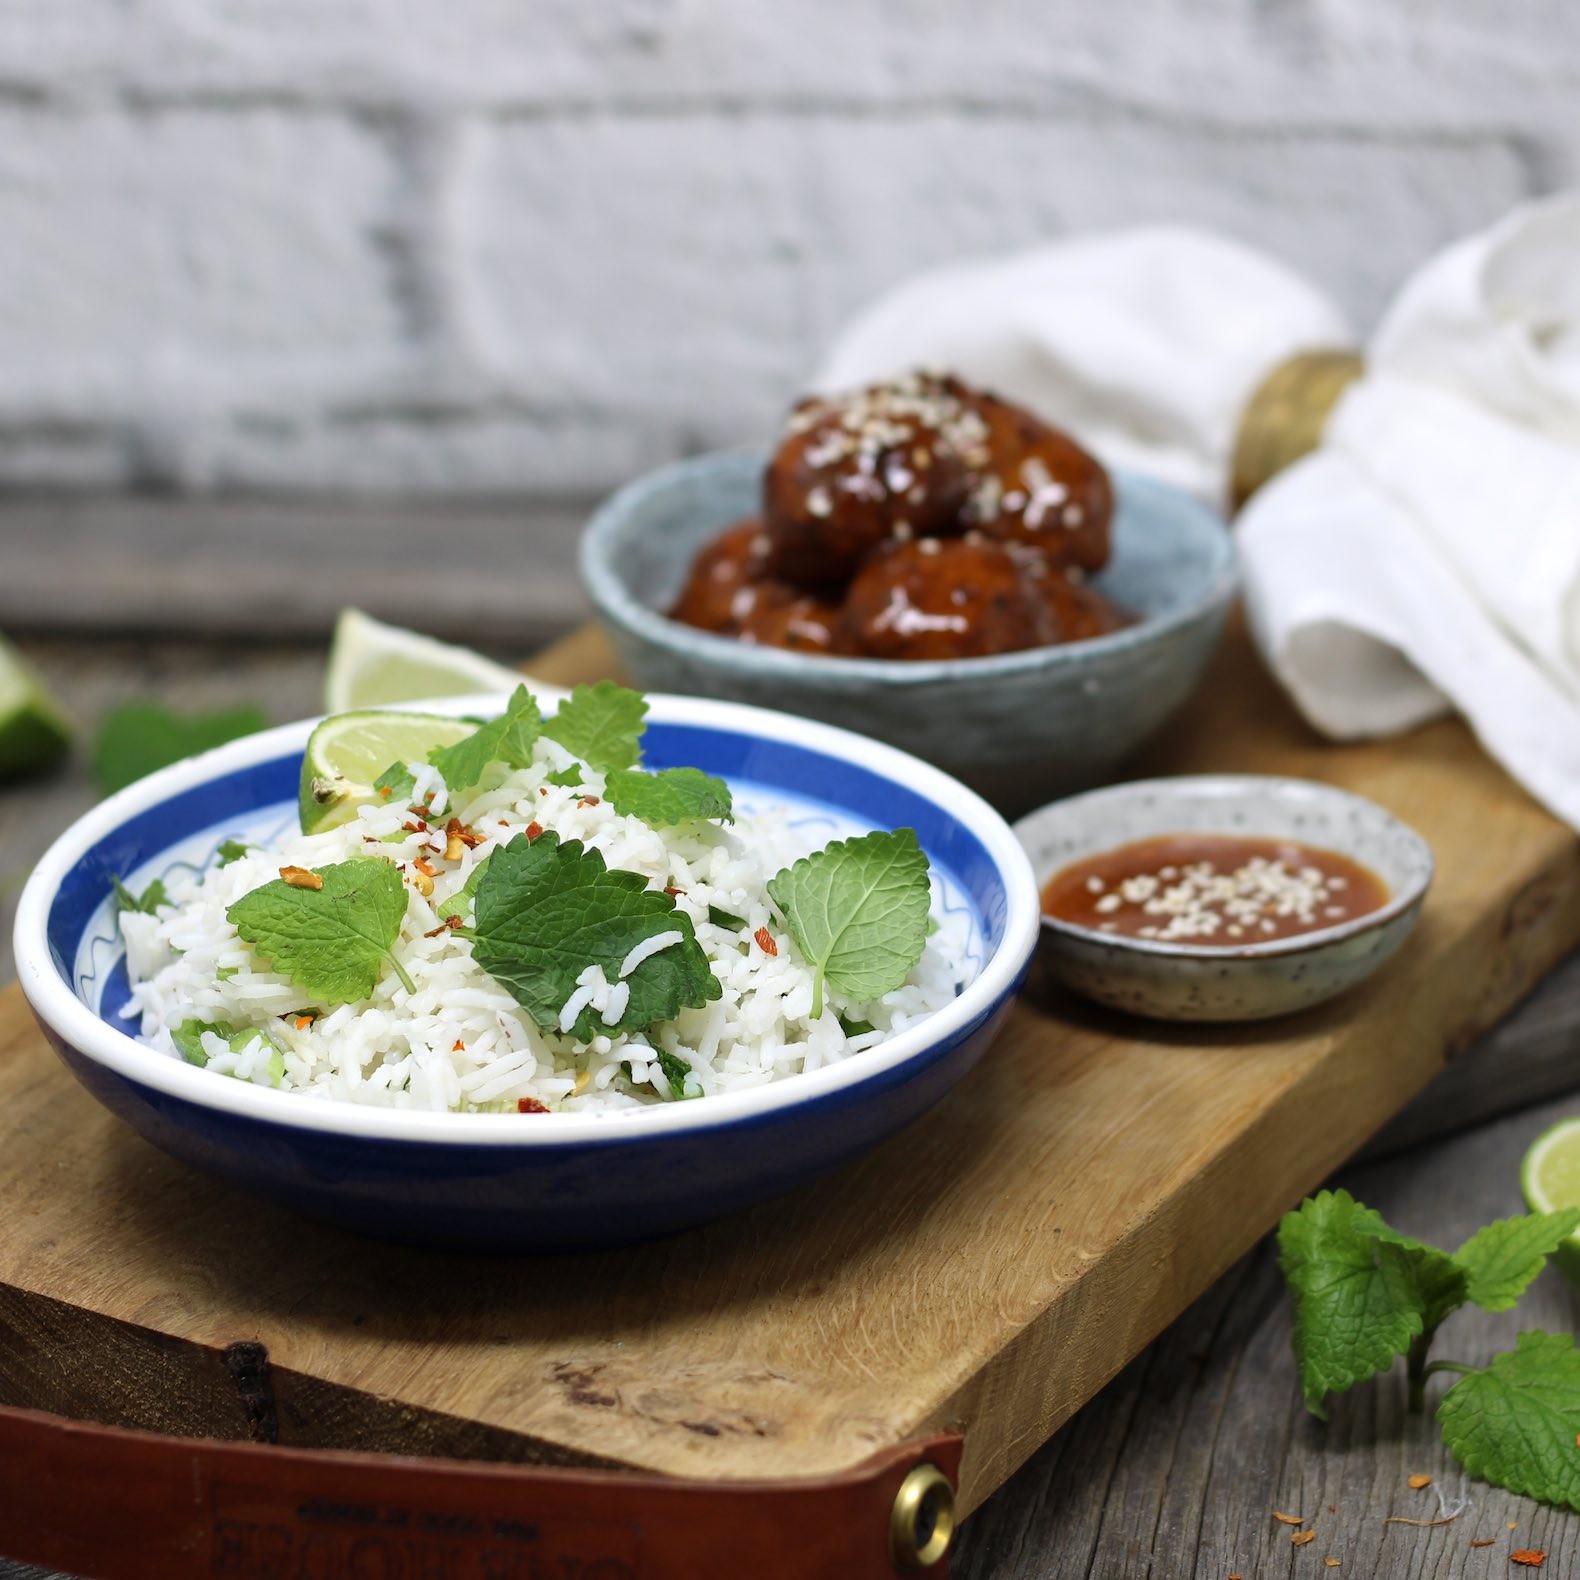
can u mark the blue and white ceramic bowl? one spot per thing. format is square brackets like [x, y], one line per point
[1017, 727]
[491, 1181]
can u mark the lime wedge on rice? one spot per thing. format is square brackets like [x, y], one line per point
[33, 731]
[372, 665]
[1550, 1179]
[347, 752]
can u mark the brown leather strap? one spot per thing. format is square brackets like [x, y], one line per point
[121, 1505]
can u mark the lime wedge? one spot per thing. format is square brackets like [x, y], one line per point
[348, 751]
[372, 665]
[1550, 1179]
[33, 731]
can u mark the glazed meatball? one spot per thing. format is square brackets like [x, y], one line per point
[722, 586]
[852, 472]
[945, 598]
[802, 622]
[1077, 609]
[1040, 488]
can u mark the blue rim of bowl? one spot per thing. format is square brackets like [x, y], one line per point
[55, 1002]
[1299, 943]
[610, 597]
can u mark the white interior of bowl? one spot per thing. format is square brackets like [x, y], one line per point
[1247, 804]
[53, 997]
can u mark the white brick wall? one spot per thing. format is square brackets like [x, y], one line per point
[313, 245]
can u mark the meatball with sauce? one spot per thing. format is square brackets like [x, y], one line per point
[945, 598]
[1040, 488]
[723, 584]
[1077, 609]
[892, 461]
[803, 622]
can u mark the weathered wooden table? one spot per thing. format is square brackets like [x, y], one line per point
[1174, 1469]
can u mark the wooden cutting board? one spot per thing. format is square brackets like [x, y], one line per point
[989, 1268]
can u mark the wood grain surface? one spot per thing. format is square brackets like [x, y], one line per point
[991, 1267]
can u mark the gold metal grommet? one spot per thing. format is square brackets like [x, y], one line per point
[922, 1523]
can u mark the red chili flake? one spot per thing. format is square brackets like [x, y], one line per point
[301, 878]
[543, 789]
[456, 829]
[588, 800]
[303, 1022]
[453, 921]
[458, 1047]
[384, 792]
[504, 822]
[443, 927]
[1486, 1541]
[419, 827]
[1531, 1557]
[530, 1105]
[670, 888]
[532, 830]
[425, 867]
[765, 941]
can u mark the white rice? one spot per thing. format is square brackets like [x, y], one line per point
[460, 1041]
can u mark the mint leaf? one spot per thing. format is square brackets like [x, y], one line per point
[722, 918]
[188, 1038]
[398, 781]
[231, 850]
[334, 942]
[509, 739]
[146, 903]
[567, 778]
[545, 910]
[1515, 1423]
[675, 1071]
[1500, 1260]
[1361, 1293]
[138, 737]
[460, 902]
[855, 1028]
[857, 910]
[673, 795]
[602, 724]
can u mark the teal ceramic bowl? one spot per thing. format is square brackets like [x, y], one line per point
[1019, 728]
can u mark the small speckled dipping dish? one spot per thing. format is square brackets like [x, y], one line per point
[1172, 981]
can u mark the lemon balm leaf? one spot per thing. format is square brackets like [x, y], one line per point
[1500, 1260]
[1362, 1294]
[857, 910]
[138, 737]
[146, 903]
[1515, 1424]
[333, 942]
[509, 739]
[546, 909]
[460, 902]
[673, 795]
[602, 724]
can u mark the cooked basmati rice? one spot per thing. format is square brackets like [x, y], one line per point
[462, 1042]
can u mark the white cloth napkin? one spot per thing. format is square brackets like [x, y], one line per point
[1428, 556]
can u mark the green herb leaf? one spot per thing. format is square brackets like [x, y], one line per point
[188, 1038]
[334, 942]
[146, 903]
[460, 902]
[855, 1028]
[673, 795]
[509, 739]
[567, 778]
[675, 1071]
[1515, 1423]
[545, 910]
[1500, 1260]
[602, 724]
[138, 737]
[1361, 1292]
[398, 780]
[722, 918]
[857, 910]
[232, 850]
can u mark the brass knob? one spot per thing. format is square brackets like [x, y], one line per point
[1284, 419]
[922, 1523]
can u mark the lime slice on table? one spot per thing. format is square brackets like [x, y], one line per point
[33, 731]
[348, 751]
[372, 665]
[1550, 1179]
